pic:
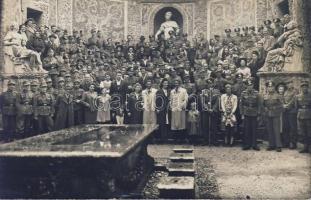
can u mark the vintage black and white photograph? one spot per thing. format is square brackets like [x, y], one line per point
[155, 99]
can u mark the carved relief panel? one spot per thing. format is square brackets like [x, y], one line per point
[107, 16]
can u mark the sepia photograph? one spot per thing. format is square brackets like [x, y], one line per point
[155, 99]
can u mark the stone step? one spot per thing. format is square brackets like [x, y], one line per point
[182, 157]
[181, 169]
[183, 148]
[159, 166]
[177, 187]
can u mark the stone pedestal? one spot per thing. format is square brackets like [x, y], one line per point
[291, 78]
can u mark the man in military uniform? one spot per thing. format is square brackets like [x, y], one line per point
[34, 88]
[8, 110]
[210, 115]
[303, 104]
[228, 39]
[24, 103]
[250, 110]
[272, 109]
[43, 104]
[77, 106]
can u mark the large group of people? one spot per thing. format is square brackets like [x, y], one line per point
[194, 90]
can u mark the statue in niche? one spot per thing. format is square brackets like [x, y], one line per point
[289, 56]
[17, 58]
[168, 26]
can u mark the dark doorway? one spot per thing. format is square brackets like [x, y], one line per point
[159, 18]
[284, 7]
[34, 14]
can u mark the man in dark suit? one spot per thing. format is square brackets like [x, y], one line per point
[118, 95]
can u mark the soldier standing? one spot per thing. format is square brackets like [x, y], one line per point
[43, 104]
[77, 106]
[250, 110]
[24, 103]
[272, 109]
[303, 104]
[8, 109]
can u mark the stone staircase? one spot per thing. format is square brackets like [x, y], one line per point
[180, 183]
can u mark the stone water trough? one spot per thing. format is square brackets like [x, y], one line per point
[87, 161]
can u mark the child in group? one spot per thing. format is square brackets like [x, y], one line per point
[103, 103]
[193, 121]
[120, 116]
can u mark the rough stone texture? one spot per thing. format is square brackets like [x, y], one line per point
[134, 19]
[260, 175]
[200, 14]
[64, 14]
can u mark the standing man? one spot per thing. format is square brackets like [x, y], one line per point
[43, 105]
[77, 93]
[24, 103]
[250, 110]
[303, 104]
[178, 104]
[162, 104]
[149, 104]
[8, 110]
[272, 110]
[209, 100]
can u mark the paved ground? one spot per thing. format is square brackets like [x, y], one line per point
[260, 174]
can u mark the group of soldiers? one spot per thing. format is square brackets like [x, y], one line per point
[216, 80]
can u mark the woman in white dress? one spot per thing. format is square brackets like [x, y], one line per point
[103, 103]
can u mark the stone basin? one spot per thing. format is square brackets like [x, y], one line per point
[87, 161]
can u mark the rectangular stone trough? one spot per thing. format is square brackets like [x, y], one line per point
[87, 161]
[177, 187]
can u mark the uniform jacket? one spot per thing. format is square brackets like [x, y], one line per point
[250, 103]
[8, 102]
[303, 105]
[24, 103]
[272, 105]
[43, 104]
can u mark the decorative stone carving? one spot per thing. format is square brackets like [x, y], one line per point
[229, 14]
[200, 15]
[149, 10]
[289, 56]
[107, 16]
[134, 19]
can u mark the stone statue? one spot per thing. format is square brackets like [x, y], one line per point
[289, 56]
[17, 58]
[168, 26]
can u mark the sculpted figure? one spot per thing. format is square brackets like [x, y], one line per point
[16, 53]
[291, 42]
[168, 26]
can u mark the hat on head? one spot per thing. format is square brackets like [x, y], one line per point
[216, 36]
[67, 74]
[11, 82]
[253, 28]
[61, 79]
[245, 28]
[34, 83]
[93, 30]
[228, 86]
[304, 83]
[26, 83]
[48, 80]
[267, 22]
[43, 84]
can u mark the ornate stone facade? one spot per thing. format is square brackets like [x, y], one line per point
[64, 14]
[230, 14]
[107, 16]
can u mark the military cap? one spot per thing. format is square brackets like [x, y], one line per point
[93, 30]
[53, 36]
[61, 79]
[219, 62]
[269, 84]
[245, 28]
[267, 22]
[26, 83]
[11, 82]
[34, 83]
[237, 30]
[228, 30]
[62, 69]
[304, 83]
[276, 20]
[67, 75]
[76, 80]
[216, 36]
[43, 84]
[228, 86]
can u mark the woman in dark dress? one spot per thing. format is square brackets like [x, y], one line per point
[89, 101]
[162, 104]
